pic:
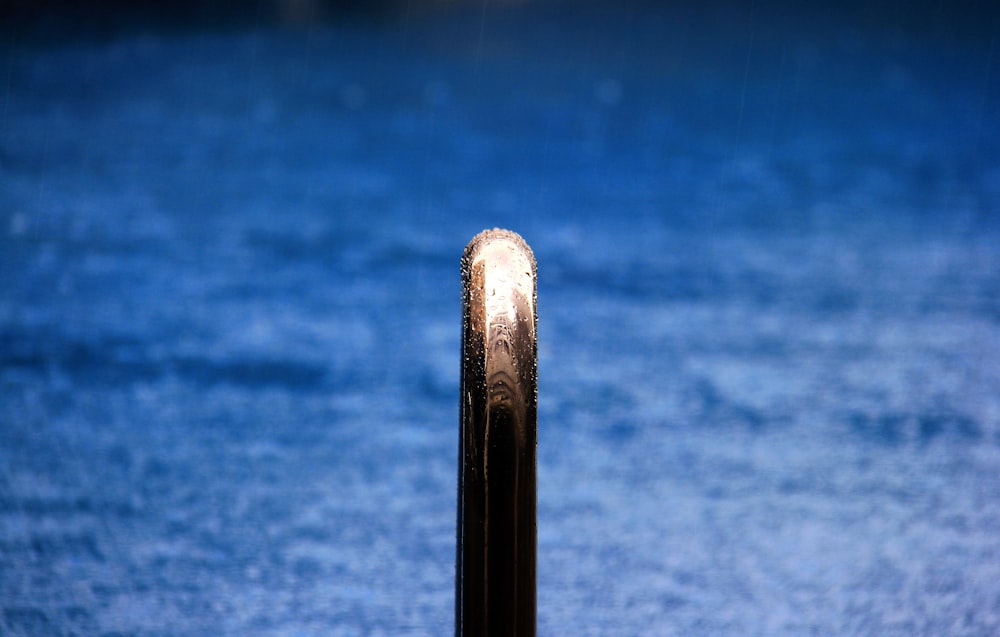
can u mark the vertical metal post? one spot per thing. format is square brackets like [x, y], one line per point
[497, 537]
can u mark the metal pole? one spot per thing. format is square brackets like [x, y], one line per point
[496, 543]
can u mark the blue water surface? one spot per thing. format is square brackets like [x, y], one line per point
[768, 246]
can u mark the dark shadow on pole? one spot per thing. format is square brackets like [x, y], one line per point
[496, 543]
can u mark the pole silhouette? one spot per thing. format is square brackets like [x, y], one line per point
[497, 494]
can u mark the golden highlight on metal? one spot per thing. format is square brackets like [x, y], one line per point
[497, 537]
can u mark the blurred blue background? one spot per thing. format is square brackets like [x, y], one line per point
[769, 309]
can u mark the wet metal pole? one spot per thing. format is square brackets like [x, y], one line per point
[496, 543]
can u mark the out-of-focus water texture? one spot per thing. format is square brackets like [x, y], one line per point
[768, 247]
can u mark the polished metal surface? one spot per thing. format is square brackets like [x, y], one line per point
[496, 538]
